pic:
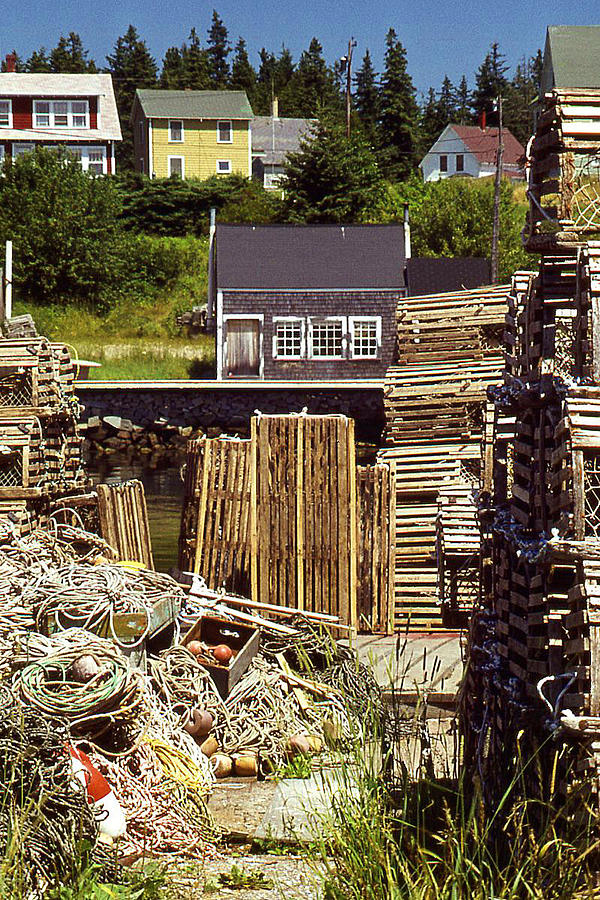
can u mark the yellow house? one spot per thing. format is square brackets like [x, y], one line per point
[194, 134]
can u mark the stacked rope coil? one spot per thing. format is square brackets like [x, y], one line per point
[44, 813]
[113, 697]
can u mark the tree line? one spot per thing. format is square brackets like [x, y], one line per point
[385, 105]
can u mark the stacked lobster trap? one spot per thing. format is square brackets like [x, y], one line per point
[533, 679]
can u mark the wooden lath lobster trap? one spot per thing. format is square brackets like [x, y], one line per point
[288, 518]
[35, 375]
[21, 457]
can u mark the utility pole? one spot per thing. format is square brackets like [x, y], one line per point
[346, 62]
[497, 186]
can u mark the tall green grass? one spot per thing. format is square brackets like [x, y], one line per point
[436, 839]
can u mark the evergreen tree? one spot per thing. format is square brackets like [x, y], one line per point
[69, 56]
[399, 118]
[131, 66]
[172, 76]
[333, 178]
[490, 82]
[243, 76]
[265, 82]
[520, 94]
[195, 65]
[462, 103]
[447, 102]
[366, 97]
[39, 61]
[312, 86]
[431, 121]
[218, 50]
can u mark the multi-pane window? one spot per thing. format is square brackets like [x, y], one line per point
[288, 338]
[443, 163]
[175, 130]
[365, 336]
[61, 113]
[92, 159]
[327, 338]
[224, 166]
[20, 149]
[5, 113]
[176, 166]
[460, 162]
[224, 131]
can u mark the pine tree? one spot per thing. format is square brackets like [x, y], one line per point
[312, 86]
[195, 65]
[172, 76]
[39, 61]
[265, 82]
[131, 66]
[218, 50]
[399, 119]
[519, 95]
[69, 56]
[243, 76]
[447, 102]
[490, 81]
[366, 97]
[431, 121]
[333, 178]
[462, 103]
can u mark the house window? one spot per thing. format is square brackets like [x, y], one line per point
[175, 131]
[288, 338]
[2, 153]
[20, 149]
[327, 339]
[5, 113]
[176, 166]
[224, 166]
[92, 159]
[224, 132]
[272, 180]
[365, 334]
[61, 113]
[460, 162]
[443, 163]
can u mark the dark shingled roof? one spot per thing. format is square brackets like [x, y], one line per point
[426, 275]
[310, 256]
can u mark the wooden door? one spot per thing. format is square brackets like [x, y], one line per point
[242, 347]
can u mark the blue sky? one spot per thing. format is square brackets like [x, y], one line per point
[440, 36]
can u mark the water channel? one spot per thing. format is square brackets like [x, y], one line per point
[164, 498]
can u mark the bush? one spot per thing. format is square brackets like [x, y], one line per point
[63, 224]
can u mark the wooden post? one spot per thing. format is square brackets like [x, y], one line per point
[300, 598]
[497, 186]
[254, 593]
[8, 275]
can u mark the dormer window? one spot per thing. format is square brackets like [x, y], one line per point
[61, 113]
[5, 113]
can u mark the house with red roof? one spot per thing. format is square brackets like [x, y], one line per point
[470, 151]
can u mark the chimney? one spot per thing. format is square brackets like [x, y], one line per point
[482, 120]
[11, 62]
[406, 232]
[275, 108]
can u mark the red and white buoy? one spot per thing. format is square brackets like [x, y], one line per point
[108, 811]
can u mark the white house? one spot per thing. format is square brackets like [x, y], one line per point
[468, 150]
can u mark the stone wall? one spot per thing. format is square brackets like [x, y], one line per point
[147, 417]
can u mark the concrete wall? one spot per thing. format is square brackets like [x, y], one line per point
[229, 410]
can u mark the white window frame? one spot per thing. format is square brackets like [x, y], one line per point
[9, 124]
[352, 321]
[290, 319]
[182, 158]
[228, 140]
[173, 140]
[20, 148]
[319, 320]
[51, 114]
[2, 155]
[226, 171]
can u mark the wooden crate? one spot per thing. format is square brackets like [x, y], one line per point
[241, 638]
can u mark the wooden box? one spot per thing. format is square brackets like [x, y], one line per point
[242, 638]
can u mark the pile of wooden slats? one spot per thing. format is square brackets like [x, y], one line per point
[458, 551]
[564, 173]
[449, 353]
[123, 520]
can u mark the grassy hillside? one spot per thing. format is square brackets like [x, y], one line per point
[138, 337]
